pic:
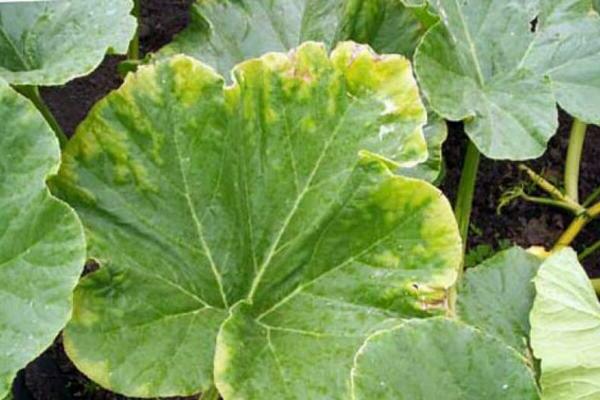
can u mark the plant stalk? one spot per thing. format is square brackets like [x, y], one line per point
[33, 94]
[589, 251]
[573, 163]
[466, 191]
[596, 285]
[591, 198]
[552, 190]
[133, 53]
[462, 211]
[551, 202]
[211, 394]
[577, 226]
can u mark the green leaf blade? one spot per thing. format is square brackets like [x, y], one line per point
[42, 244]
[50, 43]
[198, 197]
[469, 69]
[565, 329]
[497, 296]
[312, 335]
[566, 50]
[439, 359]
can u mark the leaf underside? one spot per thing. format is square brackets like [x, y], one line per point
[436, 359]
[235, 223]
[482, 64]
[42, 249]
[565, 329]
[50, 43]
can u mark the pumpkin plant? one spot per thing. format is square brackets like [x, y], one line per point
[48, 43]
[42, 247]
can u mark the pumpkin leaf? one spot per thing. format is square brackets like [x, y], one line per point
[439, 359]
[497, 296]
[52, 42]
[469, 67]
[436, 133]
[227, 32]
[489, 64]
[567, 50]
[42, 248]
[223, 33]
[257, 205]
[565, 329]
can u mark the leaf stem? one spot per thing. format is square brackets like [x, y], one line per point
[551, 189]
[33, 94]
[589, 251]
[133, 53]
[591, 198]
[462, 211]
[466, 191]
[596, 285]
[577, 226]
[571, 233]
[573, 163]
[550, 202]
[211, 394]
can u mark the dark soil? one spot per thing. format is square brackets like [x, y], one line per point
[523, 223]
[53, 377]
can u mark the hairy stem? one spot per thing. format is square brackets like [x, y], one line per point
[211, 394]
[573, 163]
[33, 94]
[134, 46]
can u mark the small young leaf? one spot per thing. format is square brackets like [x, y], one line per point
[51, 42]
[267, 204]
[565, 329]
[437, 359]
[42, 247]
[497, 296]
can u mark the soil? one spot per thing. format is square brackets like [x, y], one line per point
[53, 377]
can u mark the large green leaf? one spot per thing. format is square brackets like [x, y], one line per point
[52, 42]
[42, 248]
[565, 329]
[263, 204]
[223, 33]
[567, 50]
[469, 68]
[483, 64]
[497, 296]
[437, 359]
